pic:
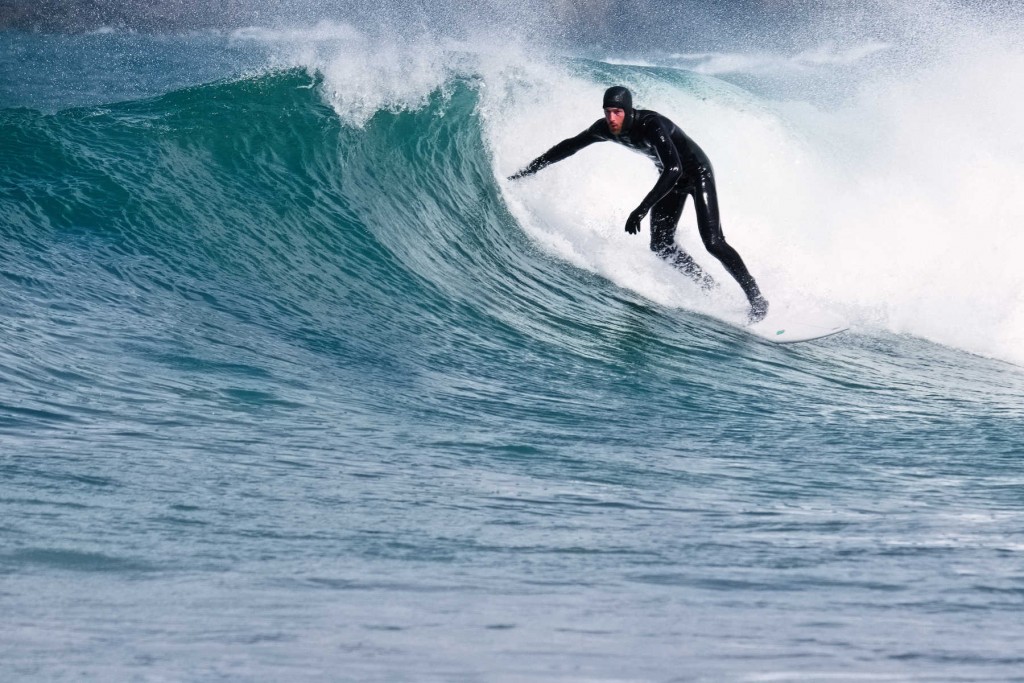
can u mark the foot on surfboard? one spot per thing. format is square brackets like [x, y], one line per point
[758, 309]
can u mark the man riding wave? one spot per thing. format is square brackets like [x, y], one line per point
[684, 170]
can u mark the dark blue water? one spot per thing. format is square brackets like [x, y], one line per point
[285, 396]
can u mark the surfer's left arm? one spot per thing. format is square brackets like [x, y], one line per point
[660, 137]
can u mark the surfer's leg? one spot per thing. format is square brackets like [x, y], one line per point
[705, 201]
[664, 219]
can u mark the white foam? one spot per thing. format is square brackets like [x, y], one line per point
[914, 190]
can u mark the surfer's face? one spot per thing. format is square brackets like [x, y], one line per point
[615, 117]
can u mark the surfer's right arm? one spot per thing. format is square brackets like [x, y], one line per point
[564, 149]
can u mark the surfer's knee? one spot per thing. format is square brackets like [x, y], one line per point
[717, 246]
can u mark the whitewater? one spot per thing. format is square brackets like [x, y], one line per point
[296, 385]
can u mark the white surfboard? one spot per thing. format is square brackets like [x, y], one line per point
[795, 325]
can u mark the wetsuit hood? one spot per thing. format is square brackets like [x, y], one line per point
[619, 97]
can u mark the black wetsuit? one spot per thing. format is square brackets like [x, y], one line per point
[684, 170]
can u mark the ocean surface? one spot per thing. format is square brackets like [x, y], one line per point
[296, 386]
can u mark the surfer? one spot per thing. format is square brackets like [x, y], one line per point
[684, 170]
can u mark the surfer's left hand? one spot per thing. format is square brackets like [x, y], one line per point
[633, 222]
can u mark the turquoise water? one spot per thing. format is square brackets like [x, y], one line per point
[287, 395]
